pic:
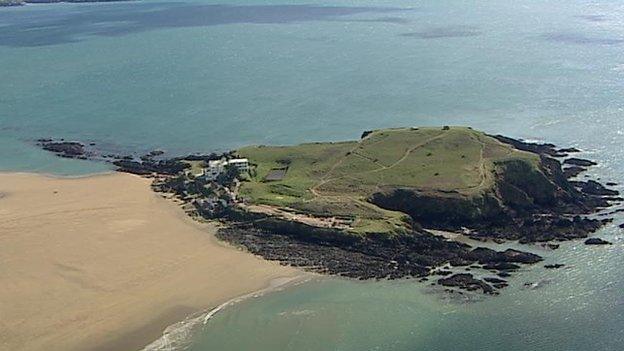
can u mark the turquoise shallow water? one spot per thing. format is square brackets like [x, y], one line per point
[209, 75]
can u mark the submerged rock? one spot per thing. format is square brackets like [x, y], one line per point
[579, 162]
[69, 149]
[596, 241]
[569, 150]
[466, 281]
[554, 266]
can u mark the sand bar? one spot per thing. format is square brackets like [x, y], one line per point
[104, 263]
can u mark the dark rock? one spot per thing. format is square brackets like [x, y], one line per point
[549, 246]
[69, 149]
[596, 241]
[545, 149]
[614, 212]
[512, 255]
[569, 150]
[362, 258]
[496, 258]
[611, 184]
[366, 133]
[592, 187]
[579, 162]
[571, 172]
[460, 261]
[554, 266]
[501, 266]
[466, 281]
[442, 273]
[148, 166]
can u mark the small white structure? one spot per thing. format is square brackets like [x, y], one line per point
[242, 164]
[216, 167]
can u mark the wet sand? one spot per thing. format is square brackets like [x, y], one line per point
[104, 263]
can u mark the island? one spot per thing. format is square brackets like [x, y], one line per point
[397, 203]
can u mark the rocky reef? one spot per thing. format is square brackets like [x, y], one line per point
[416, 255]
[596, 241]
[62, 148]
[150, 164]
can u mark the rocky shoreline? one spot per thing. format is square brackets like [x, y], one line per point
[416, 256]
[560, 216]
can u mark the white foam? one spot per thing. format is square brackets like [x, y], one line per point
[177, 336]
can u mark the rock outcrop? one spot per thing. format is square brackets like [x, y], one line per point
[596, 241]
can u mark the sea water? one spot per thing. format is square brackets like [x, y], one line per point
[201, 76]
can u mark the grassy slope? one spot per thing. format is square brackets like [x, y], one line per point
[336, 178]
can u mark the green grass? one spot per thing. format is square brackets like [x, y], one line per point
[337, 178]
[197, 167]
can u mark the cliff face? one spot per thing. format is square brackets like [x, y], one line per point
[522, 187]
[444, 211]
[526, 202]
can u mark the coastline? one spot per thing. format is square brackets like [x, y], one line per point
[518, 191]
[177, 336]
[110, 264]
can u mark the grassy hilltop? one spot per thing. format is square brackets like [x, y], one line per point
[341, 179]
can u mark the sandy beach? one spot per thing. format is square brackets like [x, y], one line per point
[104, 263]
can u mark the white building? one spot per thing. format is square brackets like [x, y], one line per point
[242, 164]
[216, 167]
